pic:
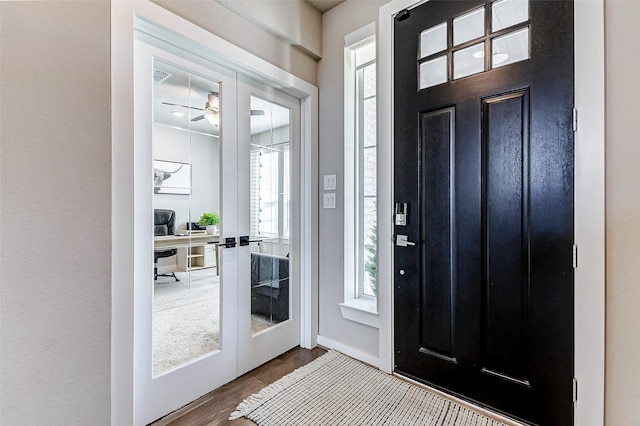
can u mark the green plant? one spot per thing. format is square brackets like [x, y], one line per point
[371, 265]
[209, 219]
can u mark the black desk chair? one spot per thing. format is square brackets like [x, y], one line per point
[164, 224]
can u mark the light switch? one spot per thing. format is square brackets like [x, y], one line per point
[329, 200]
[330, 182]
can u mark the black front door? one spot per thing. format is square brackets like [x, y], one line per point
[484, 154]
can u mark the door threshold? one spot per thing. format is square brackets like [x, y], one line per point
[471, 406]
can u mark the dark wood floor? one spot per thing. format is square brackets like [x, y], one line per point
[215, 407]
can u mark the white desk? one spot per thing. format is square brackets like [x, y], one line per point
[195, 251]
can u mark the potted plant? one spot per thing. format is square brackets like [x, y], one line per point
[211, 221]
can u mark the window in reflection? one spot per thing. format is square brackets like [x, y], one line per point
[186, 285]
[270, 171]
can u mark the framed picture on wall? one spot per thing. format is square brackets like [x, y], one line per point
[171, 177]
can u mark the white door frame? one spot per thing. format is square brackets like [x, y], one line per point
[126, 18]
[589, 200]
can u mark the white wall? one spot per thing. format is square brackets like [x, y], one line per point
[295, 22]
[336, 23]
[55, 246]
[622, 38]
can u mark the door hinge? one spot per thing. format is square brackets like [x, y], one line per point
[575, 390]
[575, 256]
[575, 119]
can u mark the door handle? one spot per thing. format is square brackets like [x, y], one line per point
[403, 241]
[229, 242]
[244, 241]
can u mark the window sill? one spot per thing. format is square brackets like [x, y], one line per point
[364, 311]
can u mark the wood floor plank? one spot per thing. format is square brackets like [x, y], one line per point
[215, 407]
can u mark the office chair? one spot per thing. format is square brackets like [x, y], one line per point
[164, 222]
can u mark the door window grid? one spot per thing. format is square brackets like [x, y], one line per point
[500, 29]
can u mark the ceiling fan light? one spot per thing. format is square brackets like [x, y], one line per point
[211, 118]
[214, 101]
[499, 58]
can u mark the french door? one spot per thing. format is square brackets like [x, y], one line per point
[268, 320]
[484, 203]
[217, 291]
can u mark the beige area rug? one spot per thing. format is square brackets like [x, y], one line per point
[186, 318]
[338, 390]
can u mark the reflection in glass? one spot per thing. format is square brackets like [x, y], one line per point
[468, 26]
[433, 40]
[186, 286]
[270, 206]
[468, 61]
[505, 13]
[513, 47]
[433, 72]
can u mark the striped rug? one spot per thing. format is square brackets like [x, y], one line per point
[338, 390]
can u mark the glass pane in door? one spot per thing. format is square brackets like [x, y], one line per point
[270, 213]
[186, 285]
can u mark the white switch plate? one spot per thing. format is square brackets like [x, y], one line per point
[329, 200]
[330, 182]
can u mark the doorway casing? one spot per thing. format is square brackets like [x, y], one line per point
[589, 200]
[126, 19]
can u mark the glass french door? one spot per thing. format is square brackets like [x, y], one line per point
[217, 288]
[269, 290]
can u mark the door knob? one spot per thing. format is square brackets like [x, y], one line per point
[403, 241]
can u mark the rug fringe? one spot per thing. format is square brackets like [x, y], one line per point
[252, 402]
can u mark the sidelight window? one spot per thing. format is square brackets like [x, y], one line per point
[360, 180]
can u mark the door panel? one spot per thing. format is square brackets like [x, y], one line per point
[506, 231]
[484, 300]
[268, 208]
[187, 327]
[437, 187]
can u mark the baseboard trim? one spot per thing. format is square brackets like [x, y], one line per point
[349, 351]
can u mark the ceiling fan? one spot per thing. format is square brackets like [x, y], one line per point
[211, 109]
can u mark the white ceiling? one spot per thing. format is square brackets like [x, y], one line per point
[324, 5]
